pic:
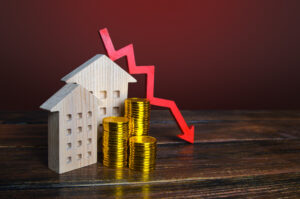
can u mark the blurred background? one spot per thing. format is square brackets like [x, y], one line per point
[208, 54]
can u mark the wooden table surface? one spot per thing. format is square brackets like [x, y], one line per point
[236, 154]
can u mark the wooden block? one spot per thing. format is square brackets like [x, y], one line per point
[106, 80]
[72, 128]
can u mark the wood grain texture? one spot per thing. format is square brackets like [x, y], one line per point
[206, 161]
[164, 116]
[72, 128]
[217, 128]
[237, 154]
[264, 186]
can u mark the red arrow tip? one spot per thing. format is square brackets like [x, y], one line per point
[188, 135]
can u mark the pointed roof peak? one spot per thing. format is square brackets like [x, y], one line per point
[81, 67]
[97, 57]
[53, 102]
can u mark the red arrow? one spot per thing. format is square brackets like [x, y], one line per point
[187, 132]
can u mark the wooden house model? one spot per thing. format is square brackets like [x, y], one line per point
[72, 128]
[106, 80]
[94, 90]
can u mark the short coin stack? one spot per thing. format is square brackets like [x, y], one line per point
[142, 153]
[137, 110]
[115, 141]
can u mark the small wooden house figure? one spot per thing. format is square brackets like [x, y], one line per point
[72, 128]
[106, 80]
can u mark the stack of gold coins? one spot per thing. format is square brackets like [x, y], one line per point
[115, 141]
[142, 153]
[137, 110]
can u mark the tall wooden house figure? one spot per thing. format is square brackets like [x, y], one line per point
[72, 128]
[106, 80]
[94, 90]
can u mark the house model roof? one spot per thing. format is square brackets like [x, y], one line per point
[52, 103]
[94, 64]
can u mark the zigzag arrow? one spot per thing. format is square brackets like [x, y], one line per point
[187, 132]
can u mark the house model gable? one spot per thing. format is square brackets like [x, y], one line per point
[106, 80]
[93, 68]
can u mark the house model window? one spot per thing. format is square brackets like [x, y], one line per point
[89, 114]
[90, 141]
[116, 94]
[79, 143]
[116, 110]
[103, 94]
[69, 117]
[103, 110]
[69, 131]
[69, 146]
[89, 154]
[79, 156]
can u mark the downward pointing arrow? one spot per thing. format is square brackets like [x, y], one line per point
[187, 132]
[188, 135]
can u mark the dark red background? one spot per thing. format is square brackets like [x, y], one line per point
[210, 54]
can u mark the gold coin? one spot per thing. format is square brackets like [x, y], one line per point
[137, 110]
[142, 153]
[115, 120]
[115, 141]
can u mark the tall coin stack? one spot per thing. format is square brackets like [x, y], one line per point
[115, 141]
[137, 110]
[142, 153]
